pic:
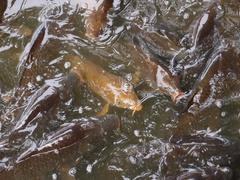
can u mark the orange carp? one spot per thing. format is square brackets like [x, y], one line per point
[113, 89]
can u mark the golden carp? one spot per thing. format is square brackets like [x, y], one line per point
[113, 89]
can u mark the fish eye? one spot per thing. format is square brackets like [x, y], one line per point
[126, 86]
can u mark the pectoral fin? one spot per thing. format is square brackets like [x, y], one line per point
[104, 110]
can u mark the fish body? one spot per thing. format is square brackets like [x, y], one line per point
[157, 76]
[3, 8]
[113, 89]
[97, 19]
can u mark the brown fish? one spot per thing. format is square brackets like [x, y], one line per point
[25, 69]
[157, 76]
[46, 99]
[61, 150]
[113, 89]
[96, 21]
[74, 132]
[204, 26]
[3, 7]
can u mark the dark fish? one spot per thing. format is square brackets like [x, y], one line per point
[210, 173]
[96, 21]
[41, 101]
[157, 76]
[46, 99]
[74, 132]
[204, 26]
[202, 88]
[159, 46]
[62, 150]
[3, 7]
[25, 67]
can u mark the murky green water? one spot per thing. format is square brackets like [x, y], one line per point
[199, 41]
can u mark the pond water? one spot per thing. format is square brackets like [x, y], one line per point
[197, 42]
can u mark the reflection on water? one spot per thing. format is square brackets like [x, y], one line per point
[44, 104]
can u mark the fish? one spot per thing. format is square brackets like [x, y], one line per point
[3, 7]
[157, 76]
[25, 69]
[112, 88]
[97, 19]
[45, 99]
[61, 150]
[204, 26]
[74, 132]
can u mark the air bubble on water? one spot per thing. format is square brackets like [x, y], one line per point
[223, 114]
[132, 160]
[67, 65]
[56, 151]
[218, 103]
[80, 110]
[54, 176]
[136, 133]
[30, 85]
[166, 3]
[39, 78]
[186, 15]
[167, 109]
[72, 171]
[89, 168]
[87, 108]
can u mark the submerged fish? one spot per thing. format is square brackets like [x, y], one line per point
[61, 150]
[3, 7]
[96, 21]
[26, 70]
[72, 133]
[46, 99]
[204, 26]
[113, 89]
[155, 75]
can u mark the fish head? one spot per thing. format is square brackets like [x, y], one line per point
[127, 98]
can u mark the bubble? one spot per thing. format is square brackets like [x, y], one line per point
[223, 114]
[136, 133]
[72, 171]
[166, 3]
[39, 78]
[80, 110]
[132, 160]
[87, 108]
[67, 65]
[89, 168]
[167, 109]
[218, 103]
[54, 176]
[56, 151]
[186, 15]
